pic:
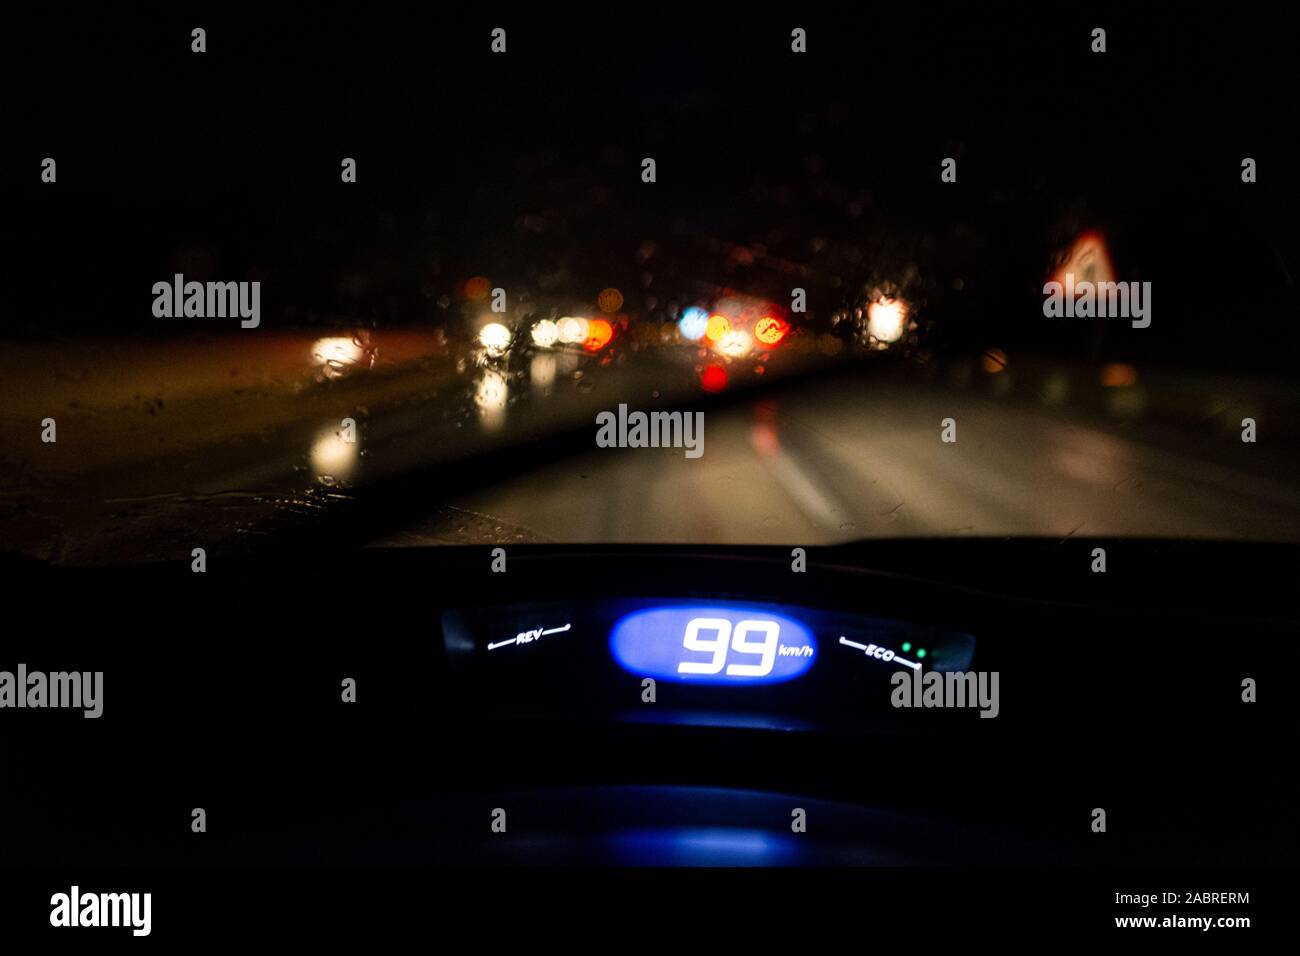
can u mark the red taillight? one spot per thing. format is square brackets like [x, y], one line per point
[714, 378]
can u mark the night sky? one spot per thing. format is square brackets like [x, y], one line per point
[226, 164]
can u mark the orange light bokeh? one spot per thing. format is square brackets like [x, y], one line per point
[610, 300]
[717, 326]
[599, 332]
[1118, 375]
[769, 330]
[993, 361]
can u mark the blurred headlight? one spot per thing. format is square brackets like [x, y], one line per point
[545, 333]
[886, 320]
[494, 337]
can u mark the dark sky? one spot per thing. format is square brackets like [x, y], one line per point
[228, 161]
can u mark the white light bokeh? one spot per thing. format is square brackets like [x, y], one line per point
[572, 330]
[735, 344]
[545, 333]
[335, 354]
[495, 337]
[490, 398]
[887, 320]
[334, 460]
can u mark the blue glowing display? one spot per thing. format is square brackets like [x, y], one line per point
[717, 644]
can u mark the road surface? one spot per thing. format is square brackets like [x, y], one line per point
[173, 446]
[843, 460]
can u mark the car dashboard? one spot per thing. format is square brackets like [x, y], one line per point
[666, 706]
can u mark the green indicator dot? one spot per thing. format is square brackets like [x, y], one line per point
[907, 645]
[921, 652]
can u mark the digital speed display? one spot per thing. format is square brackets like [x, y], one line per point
[718, 661]
[713, 644]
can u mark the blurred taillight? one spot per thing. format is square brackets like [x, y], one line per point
[599, 332]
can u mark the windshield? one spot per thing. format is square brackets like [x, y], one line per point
[663, 297]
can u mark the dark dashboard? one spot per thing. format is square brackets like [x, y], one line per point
[668, 706]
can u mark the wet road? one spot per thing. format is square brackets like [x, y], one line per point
[844, 460]
[161, 447]
[236, 440]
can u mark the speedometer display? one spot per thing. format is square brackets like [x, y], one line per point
[701, 660]
[715, 644]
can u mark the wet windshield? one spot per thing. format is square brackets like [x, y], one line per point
[793, 301]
